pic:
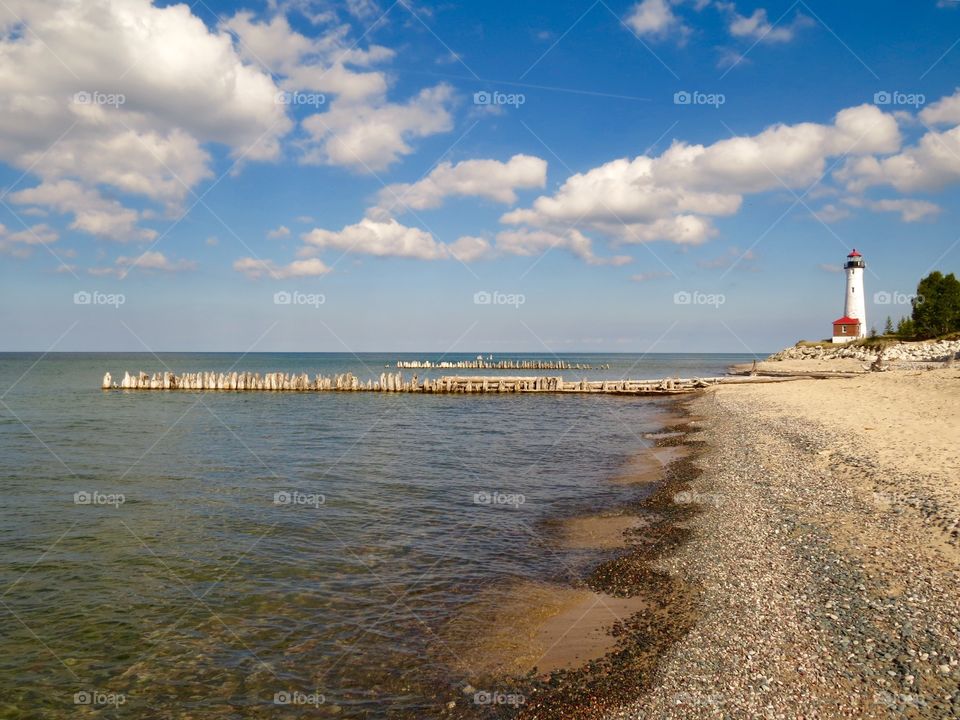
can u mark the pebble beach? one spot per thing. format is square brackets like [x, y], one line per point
[823, 564]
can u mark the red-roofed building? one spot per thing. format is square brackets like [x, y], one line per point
[846, 329]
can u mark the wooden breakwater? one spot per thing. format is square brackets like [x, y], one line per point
[481, 364]
[394, 382]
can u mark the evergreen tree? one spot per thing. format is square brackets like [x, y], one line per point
[888, 326]
[905, 329]
[936, 308]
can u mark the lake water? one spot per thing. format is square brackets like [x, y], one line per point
[235, 555]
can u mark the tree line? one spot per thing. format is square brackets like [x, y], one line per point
[935, 310]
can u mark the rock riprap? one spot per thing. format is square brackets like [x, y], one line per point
[928, 351]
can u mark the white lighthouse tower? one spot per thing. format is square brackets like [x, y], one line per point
[853, 324]
[855, 305]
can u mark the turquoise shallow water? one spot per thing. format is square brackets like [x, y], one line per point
[174, 554]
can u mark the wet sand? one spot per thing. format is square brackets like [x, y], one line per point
[546, 627]
[601, 532]
[540, 628]
[648, 466]
[581, 632]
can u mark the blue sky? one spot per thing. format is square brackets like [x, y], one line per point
[468, 177]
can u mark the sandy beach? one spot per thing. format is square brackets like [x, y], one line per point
[825, 563]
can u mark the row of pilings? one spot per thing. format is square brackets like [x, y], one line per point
[480, 364]
[394, 382]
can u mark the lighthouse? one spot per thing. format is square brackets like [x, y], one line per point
[853, 324]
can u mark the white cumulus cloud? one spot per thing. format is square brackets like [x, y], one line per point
[674, 196]
[469, 248]
[383, 239]
[151, 260]
[758, 27]
[371, 136]
[92, 213]
[327, 64]
[489, 179]
[655, 19]
[930, 164]
[946, 111]
[279, 233]
[255, 268]
[127, 97]
[20, 244]
[124, 93]
[910, 210]
[527, 242]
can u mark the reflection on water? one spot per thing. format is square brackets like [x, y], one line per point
[272, 555]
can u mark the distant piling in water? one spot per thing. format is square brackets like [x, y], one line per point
[394, 382]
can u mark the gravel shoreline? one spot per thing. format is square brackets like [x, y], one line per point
[819, 591]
